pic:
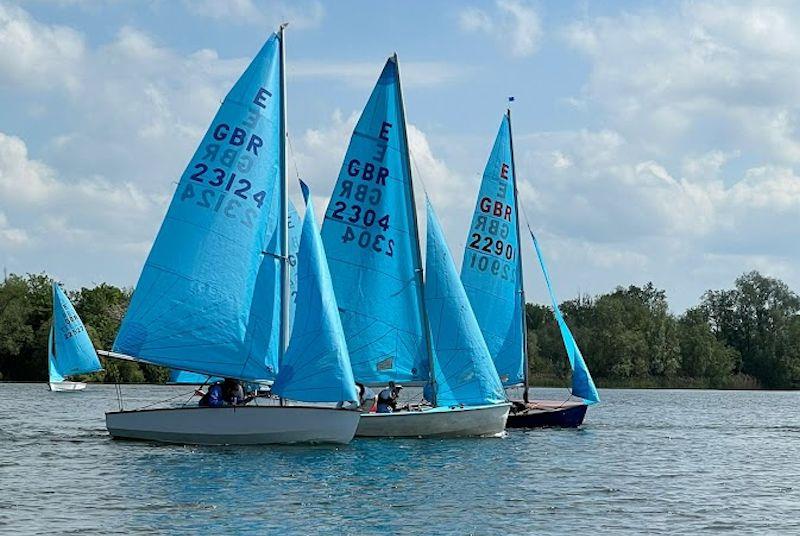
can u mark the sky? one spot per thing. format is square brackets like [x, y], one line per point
[654, 141]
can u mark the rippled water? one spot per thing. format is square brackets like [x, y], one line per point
[656, 461]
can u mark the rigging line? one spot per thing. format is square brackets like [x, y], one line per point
[291, 153]
[167, 400]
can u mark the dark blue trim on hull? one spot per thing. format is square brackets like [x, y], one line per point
[570, 416]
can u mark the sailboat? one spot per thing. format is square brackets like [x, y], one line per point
[213, 297]
[69, 349]
[371, 236]
[492, 273]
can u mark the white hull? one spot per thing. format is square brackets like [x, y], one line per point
[67, 387]
[243, 425]
[436, 422]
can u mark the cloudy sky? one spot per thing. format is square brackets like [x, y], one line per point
[654, 143]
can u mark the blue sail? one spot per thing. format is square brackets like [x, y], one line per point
[53, 373]
[582, 383]
[190, 378]
[263, 335]
[489, 270]
[371, 239]
[316, 367]
[195, 306]
[69, 349]
[465, 373]
[295, 224]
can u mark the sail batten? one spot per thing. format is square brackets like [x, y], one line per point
[370, 236]
[208, 295]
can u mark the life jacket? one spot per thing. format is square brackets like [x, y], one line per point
[213, 398]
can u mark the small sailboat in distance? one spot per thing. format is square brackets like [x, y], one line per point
[214, 294]
[372, 240]
[69, 349]
[492, 273]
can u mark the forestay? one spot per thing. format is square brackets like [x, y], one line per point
[316, 366]
[582, 383]
[489, 270]
[371, 240]
[70, 351]
[195, 307]
[465, 373]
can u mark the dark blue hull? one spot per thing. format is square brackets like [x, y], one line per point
[546, 415]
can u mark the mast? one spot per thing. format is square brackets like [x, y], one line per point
[417, 254]
[524, 315]
[284, 218]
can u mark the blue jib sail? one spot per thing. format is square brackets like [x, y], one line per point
[191, 378]
[195, 306]
[489, 270]
[465, 373]
[582, 383]
[69, 349]
[316, 367]
[295, 224]
[371, 239]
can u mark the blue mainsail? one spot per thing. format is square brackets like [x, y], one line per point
[465, 373]
[582, 383]
[195, 306]
[489, 270]
[370, 237]
[316, 367]
[69, 349]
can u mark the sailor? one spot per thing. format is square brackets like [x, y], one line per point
[233, 393]
[213, 398]
[387, 399]
[366, 397]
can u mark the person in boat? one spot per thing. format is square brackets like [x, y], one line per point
[213, 398]
[366, 397]
[233, 393]
[387, 399]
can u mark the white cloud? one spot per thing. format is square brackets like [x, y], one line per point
[363, 74]
[54, 217]
[514, 24]
[9, 236]
[267, 13]
[37, 55]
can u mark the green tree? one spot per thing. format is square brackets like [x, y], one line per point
[758, 319]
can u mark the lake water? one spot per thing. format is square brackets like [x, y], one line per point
[646, 461]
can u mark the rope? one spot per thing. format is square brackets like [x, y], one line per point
[163, 401]
[291, 154]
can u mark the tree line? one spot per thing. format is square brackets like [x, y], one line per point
[747, 336]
